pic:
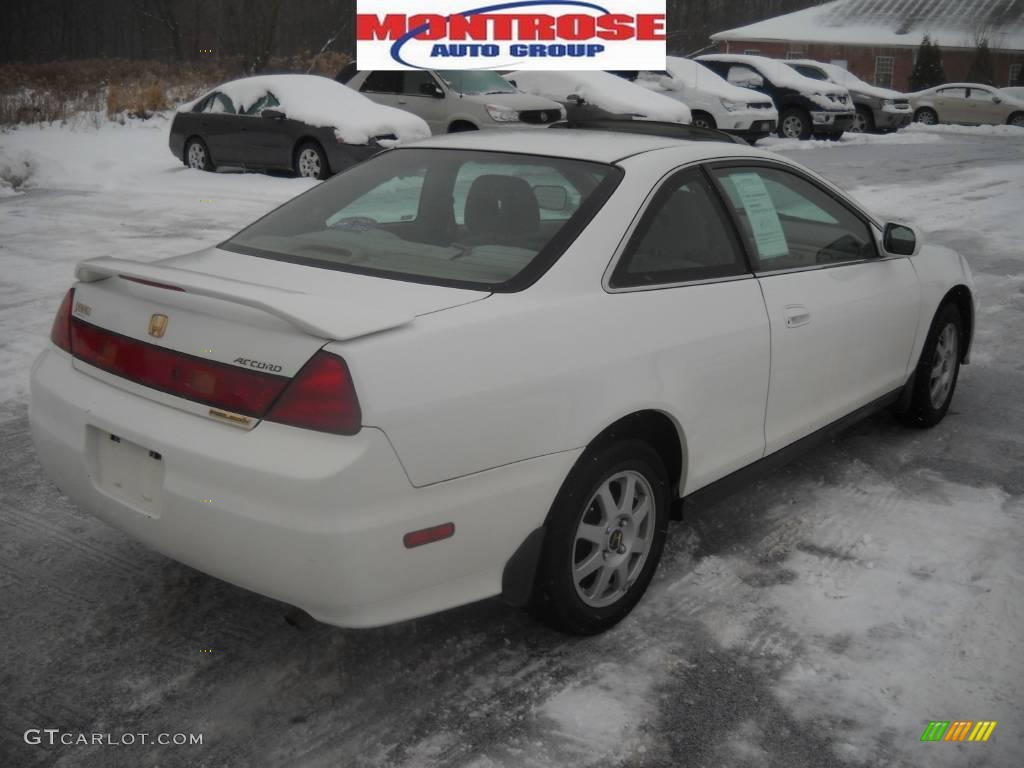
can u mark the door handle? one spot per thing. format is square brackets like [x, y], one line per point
[797, 315]
[402, 101]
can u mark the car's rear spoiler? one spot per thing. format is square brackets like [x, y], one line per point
[313, 314]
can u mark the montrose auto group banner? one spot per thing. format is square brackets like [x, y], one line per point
[521, 34]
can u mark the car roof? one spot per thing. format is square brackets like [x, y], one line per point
[594, 145]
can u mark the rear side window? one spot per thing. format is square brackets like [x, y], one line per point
[382, 81]
[484, 220]
[218, 103]
[683, 236]
[790, 223]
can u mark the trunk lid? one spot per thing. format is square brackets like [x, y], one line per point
[216, 314]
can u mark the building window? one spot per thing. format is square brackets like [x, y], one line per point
[883, 71]
[1015, 73]
[752, 52]
[795, 52]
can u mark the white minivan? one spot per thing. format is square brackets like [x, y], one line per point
[714, 102]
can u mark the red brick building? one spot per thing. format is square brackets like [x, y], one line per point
[877, 40]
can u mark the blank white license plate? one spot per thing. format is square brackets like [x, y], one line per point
[129, 472]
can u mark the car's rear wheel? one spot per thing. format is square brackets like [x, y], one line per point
[938, 369]
[926, 116]
[863, 121]
[197, 155]
[1017, 118]
[311, 161]
[461, 125]
[605, 535]
[795, 124]
[704, 120]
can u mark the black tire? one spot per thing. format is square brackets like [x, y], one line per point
[835, 136]
[704, 120]
[459, 126]
[557, 600]
[865, 122]
[1017, 118]
[925, 409]
[310, 161]
[926, 115]
[197, 155]
[789, 119]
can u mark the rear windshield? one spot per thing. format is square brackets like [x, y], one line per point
[486, 220]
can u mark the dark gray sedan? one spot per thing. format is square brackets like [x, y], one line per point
[303, 124]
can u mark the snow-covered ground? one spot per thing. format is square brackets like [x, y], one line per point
[820, 618]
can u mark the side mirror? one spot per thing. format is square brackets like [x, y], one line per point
[431, 89]
[997, 100]
[551, 197]
[899, 240]
[272, 114]
[575, 98]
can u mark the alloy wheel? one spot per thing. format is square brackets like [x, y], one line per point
[197, 156]
[613, 539]
[309, 163]
[927, 117]
[860, 123]
[792, 127]
[940, 380]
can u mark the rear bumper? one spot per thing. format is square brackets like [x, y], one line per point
[311, 519]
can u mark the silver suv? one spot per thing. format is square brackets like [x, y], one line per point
[454, 100]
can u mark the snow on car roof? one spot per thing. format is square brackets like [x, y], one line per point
[777, 71]
[596, 146]
[603, 90]
[695, 75]
[846, 78]
[324, 103]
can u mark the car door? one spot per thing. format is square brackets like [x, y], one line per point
[222, 129]
[843, 316]
[683, 288]
[951, 104]
[268, 140]
[982, 108]
[421, 94]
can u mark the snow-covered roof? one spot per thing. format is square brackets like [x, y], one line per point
[324, 103]
[603, 90]
[696, 76]
[779, 72]
[847, 79]
[952, 23]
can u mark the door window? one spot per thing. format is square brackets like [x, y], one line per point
[684, 235]
[218, 103]
[980, 94]
[266, 101]
[382, 81]
[790, 223]
[414, 80]
[953, 93]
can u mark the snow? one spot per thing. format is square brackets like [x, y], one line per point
[609, 92]
[1010, 131]
[784, 76]
[820, 617]
[324, 103]
[686, 73]
[849, 139]
[848, 80]
[883, 23]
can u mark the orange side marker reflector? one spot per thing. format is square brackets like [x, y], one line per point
[428, 535]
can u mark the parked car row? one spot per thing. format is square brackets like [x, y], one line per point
[313, 127]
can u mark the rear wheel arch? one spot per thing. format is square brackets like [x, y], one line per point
[457, 126]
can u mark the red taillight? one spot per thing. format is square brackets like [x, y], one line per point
[428, 535]
[235, 389]
[320, 397]
[60, 333]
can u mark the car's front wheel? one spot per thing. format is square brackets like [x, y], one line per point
[311, 161]
[926, 116]
[704, 120]
[795, 124]
[605, 536]
[197, 155]
[1017, 118]
[938, 368]
[863, 121]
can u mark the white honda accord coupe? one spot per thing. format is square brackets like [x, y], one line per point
[488, 365]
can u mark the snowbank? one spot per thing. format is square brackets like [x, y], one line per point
[1014, 131]
[603, 90]
[848, 140]
[325, 103]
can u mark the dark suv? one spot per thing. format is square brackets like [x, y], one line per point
[806, 107]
